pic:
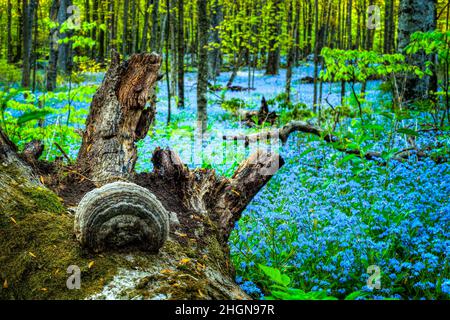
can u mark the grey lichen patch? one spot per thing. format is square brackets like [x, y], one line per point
[121, 215]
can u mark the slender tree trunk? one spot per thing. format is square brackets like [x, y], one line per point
[273, 58]
[173, 35]
[154, 37]
[19, 42]
[316, 52]
[53, 55]
[29, 9]
[94, 31]
[9, 33]
[101, 35]
[416, 15]
[111, 28]
[291, 52]
[134, 32]
[214, 53]
[34, 50]
[202, 79]
[125, 28]
[180, 51]
[166, 60]
[349, 24]
[146, 23]
[64, 49]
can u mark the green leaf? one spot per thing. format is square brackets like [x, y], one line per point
[32, 115]
[354, 295]
[408, 132]
[275, 275]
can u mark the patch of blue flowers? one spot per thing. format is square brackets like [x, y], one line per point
[323, 225]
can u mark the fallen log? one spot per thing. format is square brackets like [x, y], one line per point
[284, 132]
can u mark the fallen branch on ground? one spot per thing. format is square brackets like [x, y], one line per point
[284, 132]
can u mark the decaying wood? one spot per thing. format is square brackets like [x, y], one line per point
[33, 150]
[193, 261]
[263, 115]
[119, 117]
[284, 132]
[12, 164]
[222, 199]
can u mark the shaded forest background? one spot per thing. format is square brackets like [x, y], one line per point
[62, 36]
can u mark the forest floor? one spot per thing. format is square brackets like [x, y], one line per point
[324, 218]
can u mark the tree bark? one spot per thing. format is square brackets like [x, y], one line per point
[416, 15]
[214, 53]
[29, 7]
[53, 54]
[154, 36]
[273, 58]
[180, 52]
[125, 27]
[119, 117]
[64, 49]
[202, 80]
[9, 33]
[146, 23]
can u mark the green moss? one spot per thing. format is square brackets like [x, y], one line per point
[37, 246]
[43, 199]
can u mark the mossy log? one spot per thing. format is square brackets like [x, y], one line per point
[38, 241]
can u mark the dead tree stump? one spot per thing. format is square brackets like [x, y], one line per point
[193, 260]
[119, 117]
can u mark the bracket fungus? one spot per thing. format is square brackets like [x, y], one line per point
[121, 215]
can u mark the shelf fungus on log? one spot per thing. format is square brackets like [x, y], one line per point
[121, 215]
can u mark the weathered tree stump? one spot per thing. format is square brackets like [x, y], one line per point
[119, 117]
[193, 260]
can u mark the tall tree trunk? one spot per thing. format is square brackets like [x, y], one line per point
[101, 34]
[135, 32]
[416, 15]
[273, 58]
[214, 53]
[28, 9]
[154, 41]
[180, 51]
[55, 15]
[53, 54]
[9, 32]
[146, 23]
[173, 35]
[64, 49]
[202, 78]
[125, 28]
[166, 62]
[94, 31]
[291, 52]
[349, 25]
[316, 51]
[19, 42]
[112, 27]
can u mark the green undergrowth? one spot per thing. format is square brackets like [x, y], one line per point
[37, 246]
